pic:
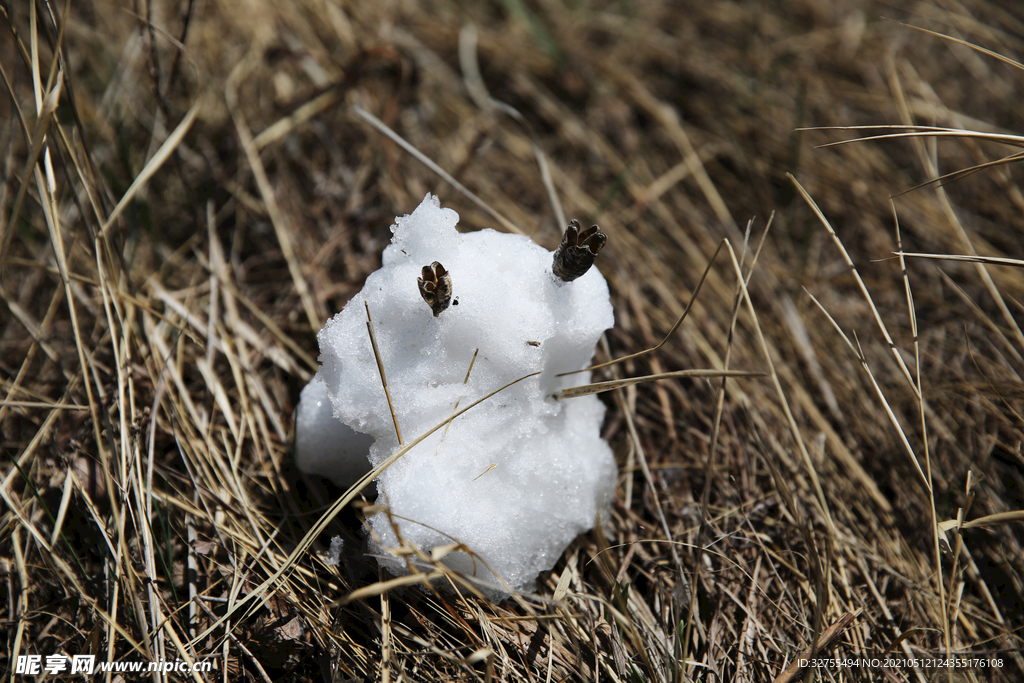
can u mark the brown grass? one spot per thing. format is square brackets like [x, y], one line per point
[190, 192]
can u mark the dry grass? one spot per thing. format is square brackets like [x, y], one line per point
[190, 192]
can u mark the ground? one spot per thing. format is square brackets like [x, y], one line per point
[192, 187]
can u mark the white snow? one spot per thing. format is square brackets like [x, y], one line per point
[517, 477]
[334, 554]
[324, 445]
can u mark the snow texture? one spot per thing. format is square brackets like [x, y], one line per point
[519, 476]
